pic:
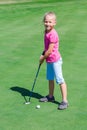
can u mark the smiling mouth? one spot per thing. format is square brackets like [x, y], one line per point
[47, 27]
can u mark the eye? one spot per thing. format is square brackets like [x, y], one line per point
[50, 22]
[45, 21]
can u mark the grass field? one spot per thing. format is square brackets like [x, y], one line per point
[21, 43]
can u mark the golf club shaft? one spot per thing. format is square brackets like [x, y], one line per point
[25, 99]
[34, 82]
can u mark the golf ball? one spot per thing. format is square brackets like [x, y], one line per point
[38, 106]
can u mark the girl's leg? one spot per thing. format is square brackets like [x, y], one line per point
[63, 89]
[64, 104]
[51, 88]
[49, 97]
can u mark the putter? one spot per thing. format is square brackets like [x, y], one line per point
[28, 102]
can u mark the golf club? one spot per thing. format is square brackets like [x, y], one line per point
[33, 85]
[26, 102]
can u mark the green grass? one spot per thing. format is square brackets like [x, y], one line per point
[21, 43]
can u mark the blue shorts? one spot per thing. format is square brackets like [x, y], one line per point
[54, 70]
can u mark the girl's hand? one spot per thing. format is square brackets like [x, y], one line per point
[41, 59]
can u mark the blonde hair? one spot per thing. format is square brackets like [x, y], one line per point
[51, 14]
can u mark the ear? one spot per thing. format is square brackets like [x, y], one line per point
[54, 22]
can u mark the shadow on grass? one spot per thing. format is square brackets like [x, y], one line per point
[25, 92]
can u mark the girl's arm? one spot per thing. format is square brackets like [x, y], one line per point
[47, 53]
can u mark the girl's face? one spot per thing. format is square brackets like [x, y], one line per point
[49, 23]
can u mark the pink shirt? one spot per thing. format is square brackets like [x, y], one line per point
[52, 37]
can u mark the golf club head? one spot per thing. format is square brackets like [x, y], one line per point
[27, 103]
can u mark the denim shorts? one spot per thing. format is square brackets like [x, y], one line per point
[54, 70]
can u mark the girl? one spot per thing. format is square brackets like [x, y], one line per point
[53, 60]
